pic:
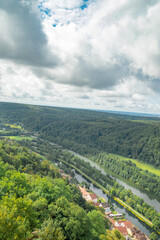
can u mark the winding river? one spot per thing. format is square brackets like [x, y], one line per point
[149, 198]
[128, 215]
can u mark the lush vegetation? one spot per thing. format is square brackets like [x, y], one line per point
[35, 202]
[117, 190]
[89, 131]
[137, 204]
[19, 138]
[129, 171]
[86, 132]
[143, 166]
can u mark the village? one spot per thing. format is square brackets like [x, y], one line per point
[116, 219]
[128, 230]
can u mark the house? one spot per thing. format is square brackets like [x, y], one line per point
[137, 234]
[85, 194]
[122, 229]
[117, 215]
[129, 226]
[105, 205]
[88, 196]
[122, 226]
[94, 197]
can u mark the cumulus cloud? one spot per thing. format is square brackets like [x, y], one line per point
[104, 43]
[67, 52]
[22, 39]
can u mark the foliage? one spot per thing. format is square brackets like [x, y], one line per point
[153, 236]
[112, 235]
[116, 190]
[37, 199]
[129, 171]
[90, 131]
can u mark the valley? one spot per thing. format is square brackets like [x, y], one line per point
[43, 145]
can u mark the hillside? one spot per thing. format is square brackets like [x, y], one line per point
[35, 202]
[90, 131]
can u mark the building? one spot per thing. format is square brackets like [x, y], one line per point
[94, 197]
[122, 226]
[105, 205]
[123, 230]
[88, 196]
[117, 215]
[137, 234]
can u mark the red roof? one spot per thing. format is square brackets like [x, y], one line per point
[128, 224]
[93, 196]
[123, 230]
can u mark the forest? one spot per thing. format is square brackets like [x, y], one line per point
[89, 132]
[36, 203]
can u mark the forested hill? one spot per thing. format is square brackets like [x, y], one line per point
[90, 131]
[36, 203]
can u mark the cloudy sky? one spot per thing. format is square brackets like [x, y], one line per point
[97, 54]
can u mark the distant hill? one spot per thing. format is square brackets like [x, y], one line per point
[131, 113]
[87, 131]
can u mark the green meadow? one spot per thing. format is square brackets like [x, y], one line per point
[13, 126]
[19, 138]
[143, 166]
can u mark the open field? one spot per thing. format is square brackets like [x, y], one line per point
[13, 126]
[143, 166]
[18, 138]
[4, 131]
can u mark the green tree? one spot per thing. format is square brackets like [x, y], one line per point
[153, 236]
[17, 218]
[49, 232]
[97, 223]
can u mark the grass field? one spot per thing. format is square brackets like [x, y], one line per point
[18, 138]
[143, 166]
[4, 131]
[13, 126]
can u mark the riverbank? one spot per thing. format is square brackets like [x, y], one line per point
[149, 198]
[138, 215]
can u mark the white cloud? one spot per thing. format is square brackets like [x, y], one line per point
[107, 53]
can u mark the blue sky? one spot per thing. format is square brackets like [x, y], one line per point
[98, 54]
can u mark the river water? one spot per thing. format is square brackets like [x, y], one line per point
[149, 198]
[128, 215]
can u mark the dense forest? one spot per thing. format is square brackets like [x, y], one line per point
[35, 202]
[89, 131]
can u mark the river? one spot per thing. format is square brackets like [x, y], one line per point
[128, 215]
[149, 198]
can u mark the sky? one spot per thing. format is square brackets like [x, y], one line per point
[94, 54]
